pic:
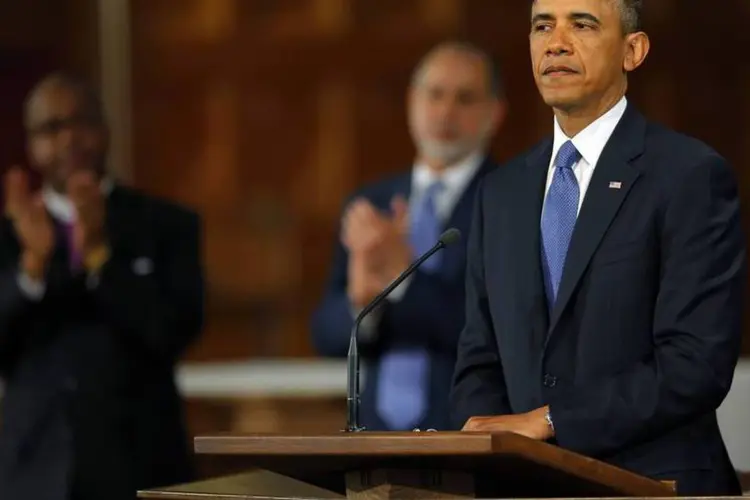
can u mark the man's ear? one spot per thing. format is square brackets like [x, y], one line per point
[636, 50]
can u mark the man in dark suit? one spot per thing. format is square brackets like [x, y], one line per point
[409, 344]
[101, 290]
[606, 270]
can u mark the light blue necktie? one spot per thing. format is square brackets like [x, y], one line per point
[402, 384]
[559, 219]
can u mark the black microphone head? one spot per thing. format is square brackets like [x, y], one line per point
[450, 236]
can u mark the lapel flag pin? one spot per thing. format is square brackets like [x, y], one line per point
[615, 185]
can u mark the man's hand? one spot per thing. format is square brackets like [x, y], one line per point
[378, 248]
[365, 282]
[31, 222]
[532, 424]
[85, 194]
[398, 251]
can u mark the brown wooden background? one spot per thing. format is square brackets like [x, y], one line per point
[264, 114]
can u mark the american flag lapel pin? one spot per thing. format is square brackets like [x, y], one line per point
[615, 185]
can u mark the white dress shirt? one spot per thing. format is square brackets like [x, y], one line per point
[590, 143]
[61, 209]
[60, 206]
[455, 180]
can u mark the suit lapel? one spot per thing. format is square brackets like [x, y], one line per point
[525, 224]
[461, 214]
[455, 255]
[8, 237]
[128, 227]
[119, 218]
[601, 202]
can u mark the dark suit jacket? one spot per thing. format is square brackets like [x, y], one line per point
[641, 346]
[430, 313]
[90, 408]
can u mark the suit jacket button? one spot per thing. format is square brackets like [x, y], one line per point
[549, 380]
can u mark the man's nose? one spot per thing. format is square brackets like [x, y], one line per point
[559, 43]
[65, 136]
[446, 109]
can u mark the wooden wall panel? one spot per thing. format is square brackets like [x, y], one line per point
[18, 75]
[32, 23]
[265, 114]
[38, 36]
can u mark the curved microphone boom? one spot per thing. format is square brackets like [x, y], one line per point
[449, 237]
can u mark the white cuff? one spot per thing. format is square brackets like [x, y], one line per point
[31, 288]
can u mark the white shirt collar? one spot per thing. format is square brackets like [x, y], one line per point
[61, 207]
[590, 141]
[455, 178]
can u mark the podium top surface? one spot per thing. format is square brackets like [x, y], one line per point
[367, 444]
[489, 452]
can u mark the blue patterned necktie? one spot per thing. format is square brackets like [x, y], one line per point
[426, 227]
[559, 219]
[403, 377]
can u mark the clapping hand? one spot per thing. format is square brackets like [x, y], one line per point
[378, 247]
[31, 222]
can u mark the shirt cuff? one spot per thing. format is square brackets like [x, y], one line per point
[31, 288]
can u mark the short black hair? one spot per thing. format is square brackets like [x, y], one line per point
[631, 14]
[495, 82]
[88, 94]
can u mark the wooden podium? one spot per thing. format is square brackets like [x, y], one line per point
[412, 465]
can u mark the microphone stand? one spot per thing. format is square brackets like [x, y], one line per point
[352, 366]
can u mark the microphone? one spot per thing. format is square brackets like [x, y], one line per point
[449, 237]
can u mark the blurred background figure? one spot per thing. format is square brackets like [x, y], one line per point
[101, 290]
[456, 102]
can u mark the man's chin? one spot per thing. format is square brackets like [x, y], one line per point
[561, 100]
[59, 185]
[65, 172]
[446, 154]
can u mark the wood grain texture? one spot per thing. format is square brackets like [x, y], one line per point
[504, 462]
[423, 484]
[265, 115]
[265, 415]
[246, 485]
[744, 481]
[36, 37]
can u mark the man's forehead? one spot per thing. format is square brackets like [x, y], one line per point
[565, 7]
[53, 101]
[454, 56]
[456, 66]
